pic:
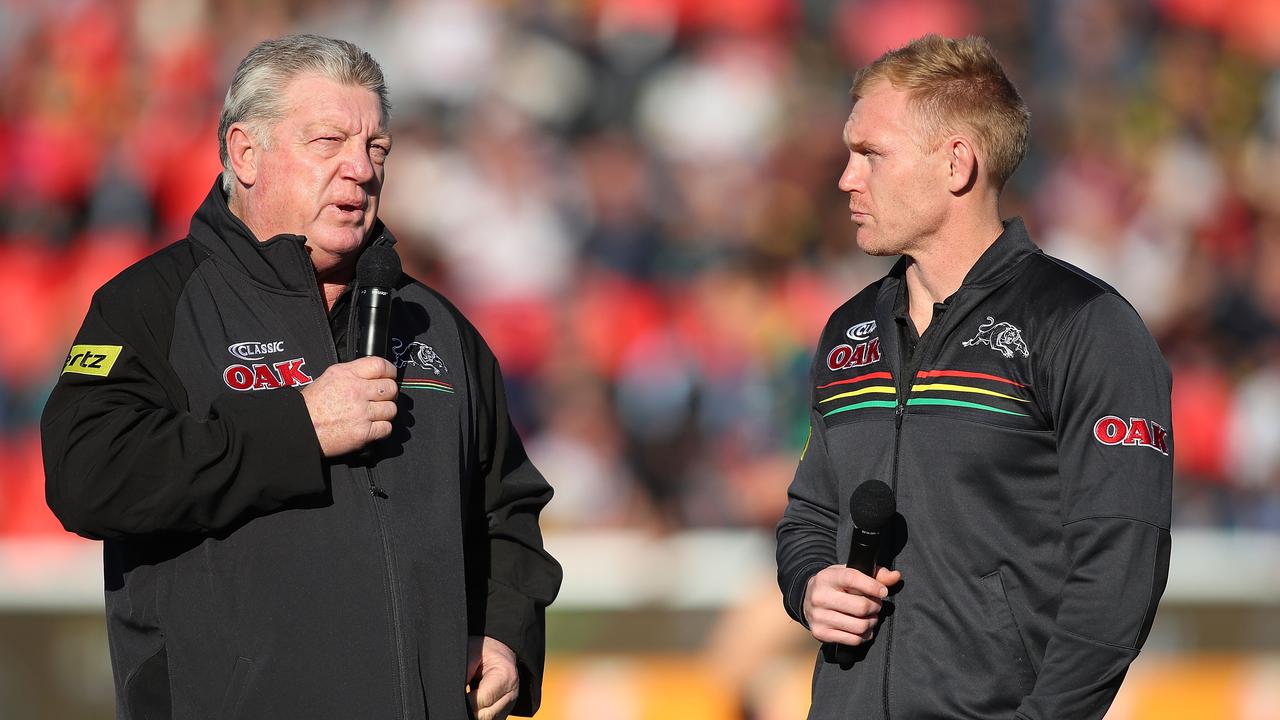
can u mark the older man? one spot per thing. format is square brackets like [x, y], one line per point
[1017, 406]
[290, 531]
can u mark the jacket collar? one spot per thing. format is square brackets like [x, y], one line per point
[1005, 253]
[1013, 245]
[281, 262]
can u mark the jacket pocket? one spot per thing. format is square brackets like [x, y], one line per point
[1005, 627]
[233, 697]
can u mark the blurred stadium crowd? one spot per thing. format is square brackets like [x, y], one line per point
[635, 201]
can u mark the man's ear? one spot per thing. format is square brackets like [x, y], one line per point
[242, 148]
[963, 163]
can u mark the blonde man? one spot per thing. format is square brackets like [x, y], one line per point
[1018, 408]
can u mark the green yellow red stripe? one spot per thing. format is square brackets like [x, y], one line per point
[963, 404]
[860, 406]
[425, 384]
[924, 374]
[860, 378]
[881, 389]
[963, 389]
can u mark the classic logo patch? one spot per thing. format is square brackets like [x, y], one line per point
[91, 359]
[861, 331]
[865, 352]
[418, 354]
[1111, 430]
[253, 350]
[1002, 337]
[266, 376]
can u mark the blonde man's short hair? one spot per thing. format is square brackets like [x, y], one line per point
[955, 85]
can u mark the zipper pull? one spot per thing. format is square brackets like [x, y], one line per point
[374, 490]
[897, 414]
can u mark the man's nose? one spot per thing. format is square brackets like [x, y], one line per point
[854, 176]
[357, 164]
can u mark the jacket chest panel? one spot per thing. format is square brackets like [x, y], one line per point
[244, 339]
[855, 378]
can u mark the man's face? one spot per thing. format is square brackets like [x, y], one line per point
[897, 190]
[321, 172]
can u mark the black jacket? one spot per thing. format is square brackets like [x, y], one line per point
[1027, 436]
[248, 577]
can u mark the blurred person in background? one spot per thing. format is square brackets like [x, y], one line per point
[1018, 407]
[291, 531]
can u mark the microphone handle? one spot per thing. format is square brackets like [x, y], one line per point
[372, 314]
[863, 548]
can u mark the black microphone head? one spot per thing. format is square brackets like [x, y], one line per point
[378, 266]
[872, 506]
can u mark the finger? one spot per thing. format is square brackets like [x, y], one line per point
[500, 709]
[380, 409]
[381, 389]
[852, 581]
[493, 686]
[842, 637]
[843, 623]
[847, 604]
[379, 429]
[371, 368]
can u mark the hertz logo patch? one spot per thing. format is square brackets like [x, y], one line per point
[91, 359]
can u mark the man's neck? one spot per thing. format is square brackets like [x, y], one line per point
[333, 274]
[936, 272]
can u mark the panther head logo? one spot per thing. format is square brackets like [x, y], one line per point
[418, 354]
[1002, 337]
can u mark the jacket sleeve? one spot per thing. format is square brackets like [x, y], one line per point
[1110, 391]
[122, 455]
[807, 532]
[520, 579]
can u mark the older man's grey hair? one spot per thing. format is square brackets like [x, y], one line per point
[256, 96]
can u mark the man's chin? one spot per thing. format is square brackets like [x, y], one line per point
[872, 246]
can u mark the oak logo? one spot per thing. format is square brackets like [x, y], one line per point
[1111, 430]
[845, 356]
[266, 376]
[91, 359]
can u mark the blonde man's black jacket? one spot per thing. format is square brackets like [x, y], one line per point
[1027, 436]
[248, 577]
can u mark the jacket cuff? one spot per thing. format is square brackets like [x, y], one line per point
[794, 599]
[513, 618]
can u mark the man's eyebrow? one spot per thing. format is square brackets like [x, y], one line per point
[320, 126]
[861, 146]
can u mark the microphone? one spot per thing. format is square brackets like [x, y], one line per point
[872, 506]
[377, 272]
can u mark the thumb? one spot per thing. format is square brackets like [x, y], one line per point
[491, 689]
[888, 577]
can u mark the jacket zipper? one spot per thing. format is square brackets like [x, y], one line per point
[375, 493]
[392, 597]
[908, 368]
